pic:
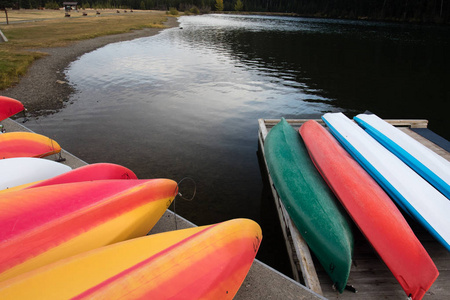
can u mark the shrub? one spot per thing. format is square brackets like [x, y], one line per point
[194, 9]
[173, 11]
[51, 5]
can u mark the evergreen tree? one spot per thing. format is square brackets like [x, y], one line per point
[239, 5]
[219, 5]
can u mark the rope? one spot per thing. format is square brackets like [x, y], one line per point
[182, 197]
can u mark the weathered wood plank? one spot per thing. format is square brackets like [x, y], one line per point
[429, 144]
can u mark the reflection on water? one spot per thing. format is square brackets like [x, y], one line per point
[186, 102]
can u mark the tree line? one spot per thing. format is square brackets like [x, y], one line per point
[395, 10]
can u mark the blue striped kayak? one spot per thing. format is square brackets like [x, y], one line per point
[410, 191]
[431, 166]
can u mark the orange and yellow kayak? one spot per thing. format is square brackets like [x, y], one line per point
[208, 262]
[42, 225]
[26, 144]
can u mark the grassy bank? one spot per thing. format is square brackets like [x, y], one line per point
[34, 29]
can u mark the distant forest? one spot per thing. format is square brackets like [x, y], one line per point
[436, 11]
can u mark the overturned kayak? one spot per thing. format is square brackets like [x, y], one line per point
[208, 262]
[26, 144]
[431, 166]
[98, 171]
[41, 225]
[408, 189]
[372, 210]
[317, 214]
[9, 107]
[24, 170]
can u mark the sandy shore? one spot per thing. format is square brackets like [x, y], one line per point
[44, 87]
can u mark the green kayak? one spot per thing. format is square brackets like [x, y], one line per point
[317, 214]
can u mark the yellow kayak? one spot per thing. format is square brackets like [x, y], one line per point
[27, 144]
[42, 225]
[208, 262]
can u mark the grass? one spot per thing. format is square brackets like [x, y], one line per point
[34, 29]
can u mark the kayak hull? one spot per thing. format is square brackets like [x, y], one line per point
[98, 171]
[406, 187]
[42, 225]
[311, 205]
[9, 107]
[372, 210]
[208, 262]
[25, 170]
[26, 144]
[431, 166]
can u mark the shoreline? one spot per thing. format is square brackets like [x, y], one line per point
[44, 89]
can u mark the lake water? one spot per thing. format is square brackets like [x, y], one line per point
[185, 103]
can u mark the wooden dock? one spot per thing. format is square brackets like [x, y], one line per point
[369, 275]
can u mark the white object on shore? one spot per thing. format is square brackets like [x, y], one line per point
[411, 192]
[2, 37]
[23, 170]
[431, 166]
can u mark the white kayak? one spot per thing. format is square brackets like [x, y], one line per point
[411, 192]
[431, 166]
[23, 170]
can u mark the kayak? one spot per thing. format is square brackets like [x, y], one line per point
[26, 144]
[373, 211]
[41, 225]
[24, 170]
[315, 211]
[9, 107]
[431, 166]
[408, 189]
[99, 171]
[208, 262]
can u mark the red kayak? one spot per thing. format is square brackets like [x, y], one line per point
[100, 171]
[372, 210]
[9, 107]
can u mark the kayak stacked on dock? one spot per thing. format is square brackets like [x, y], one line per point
[372, 210]
[82, 233]
[44, 227]
[310, 203]
[9, 107]
[98, 171]
[45, 224]
[431, 166]
[208, 262]
[409, 190]
[365, 177]
[27, 144]
[22, 144]
[25, 170]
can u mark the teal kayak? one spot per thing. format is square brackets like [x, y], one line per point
[313, 208]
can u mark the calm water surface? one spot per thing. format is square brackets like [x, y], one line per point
[185, 103]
